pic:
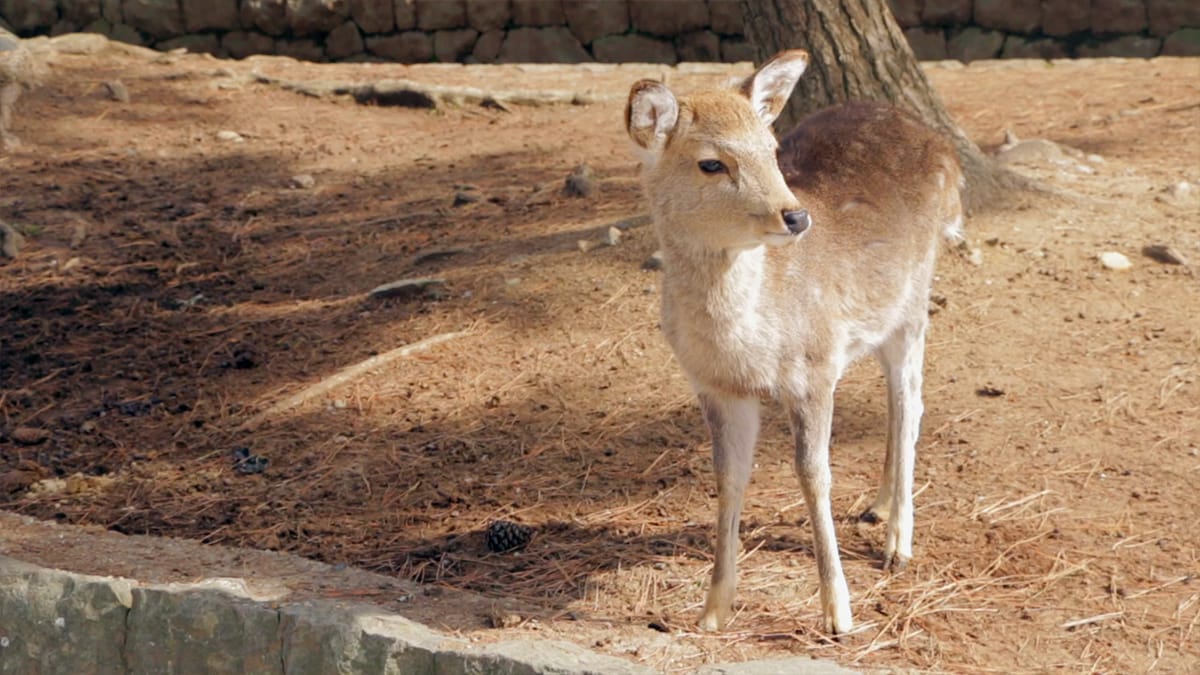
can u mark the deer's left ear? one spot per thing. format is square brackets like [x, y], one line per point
[769, 88]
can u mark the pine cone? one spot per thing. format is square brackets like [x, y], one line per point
[505, 535]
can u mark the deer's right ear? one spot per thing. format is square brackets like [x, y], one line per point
[651, 114]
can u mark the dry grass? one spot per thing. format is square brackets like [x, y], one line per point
[1052, 524]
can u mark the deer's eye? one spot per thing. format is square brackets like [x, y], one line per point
[712, 166]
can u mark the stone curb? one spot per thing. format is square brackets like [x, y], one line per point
[52, 621]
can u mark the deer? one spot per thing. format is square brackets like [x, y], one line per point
[784, 262]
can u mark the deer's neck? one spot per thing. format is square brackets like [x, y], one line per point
[725, 286]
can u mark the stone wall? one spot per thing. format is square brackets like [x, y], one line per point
[570, 31]
[969, 30]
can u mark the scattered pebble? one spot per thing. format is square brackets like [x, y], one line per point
[504, 620]
[581, 182]
[302, 181]
[246, 463]
[1164, 254]
[1031, 151]
[613, 236]
[117, 91]
[230, 136]
[1181, 189]
[11, 241]
[464, 197]
[1115, 261]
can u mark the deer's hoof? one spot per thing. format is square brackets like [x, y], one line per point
[895, 563]
[710, 622]
[869, 516]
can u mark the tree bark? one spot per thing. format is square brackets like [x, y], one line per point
[858, 53]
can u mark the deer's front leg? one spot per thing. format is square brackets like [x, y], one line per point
[812, 421]
[733, 423]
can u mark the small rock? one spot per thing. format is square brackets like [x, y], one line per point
[1031, 151]
[407, 288]
[29, 435]
[613, 236]
[246, 463]
[654, 262]
[302, 181]
[1114, 261]
[11, 241]
[230, 136]
[117, 91]
[464, 197]
[1164, 254]
[504, 620]
[242, 356]
[581, 182]
[584, 245]
[1181, 190]
[975, 256]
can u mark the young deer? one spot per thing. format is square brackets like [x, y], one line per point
[785, 263]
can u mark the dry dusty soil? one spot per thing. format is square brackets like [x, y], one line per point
[176, 289]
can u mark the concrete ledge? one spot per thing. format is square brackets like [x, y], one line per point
[177, 606]
[63, 622]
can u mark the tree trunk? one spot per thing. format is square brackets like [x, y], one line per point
[859, 53]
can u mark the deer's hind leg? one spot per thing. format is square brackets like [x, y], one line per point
[902, 357]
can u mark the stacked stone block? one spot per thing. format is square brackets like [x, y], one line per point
[969, 30]
[573, 31]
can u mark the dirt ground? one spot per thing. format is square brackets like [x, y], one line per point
[175, 286]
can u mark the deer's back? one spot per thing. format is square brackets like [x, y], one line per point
[873, 167]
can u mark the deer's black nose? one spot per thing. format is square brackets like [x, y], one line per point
[797, 221]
